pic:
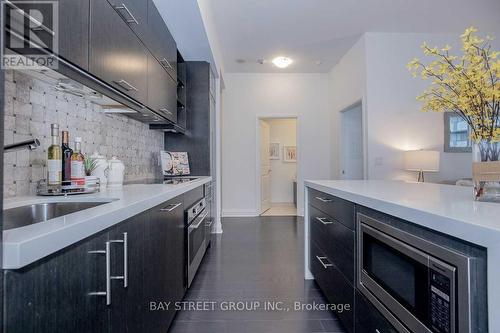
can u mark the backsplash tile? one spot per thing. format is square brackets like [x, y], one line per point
[31, 105]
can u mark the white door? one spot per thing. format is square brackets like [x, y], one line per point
[265, 167]
[351, 154]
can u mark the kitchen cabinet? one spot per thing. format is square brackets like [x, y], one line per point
[341, 210]
[134, 13]
[72, 28]
[128, 304]
[52, 295]
[160, 42]
[117, 56]
[65, 292]
[162, 91]
[165, 267]
[333, 284]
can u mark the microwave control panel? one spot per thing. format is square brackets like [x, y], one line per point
[440, 314]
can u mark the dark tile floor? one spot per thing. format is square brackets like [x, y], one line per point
[255, 259]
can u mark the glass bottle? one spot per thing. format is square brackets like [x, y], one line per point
[77, 168]
[54, 160]
[66, 156]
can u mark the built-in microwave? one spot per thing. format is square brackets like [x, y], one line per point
[419, 286]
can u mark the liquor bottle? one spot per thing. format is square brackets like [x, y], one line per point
[54, 160]
[77, 168]
[66, 157]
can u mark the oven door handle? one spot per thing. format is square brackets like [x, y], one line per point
[197, 225]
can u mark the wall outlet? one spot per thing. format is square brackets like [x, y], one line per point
[379, 161]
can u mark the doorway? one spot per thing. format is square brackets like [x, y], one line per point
[351, 148]
[278, 166]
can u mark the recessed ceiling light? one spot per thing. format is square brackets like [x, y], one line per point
[282, 62]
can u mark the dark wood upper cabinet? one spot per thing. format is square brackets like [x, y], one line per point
[134, 13]
[160, 41]
[117, 56]
[162, 90]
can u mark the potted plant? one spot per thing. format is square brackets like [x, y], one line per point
[89, 164]
[469, 86]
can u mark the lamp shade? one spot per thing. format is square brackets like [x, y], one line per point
[422, 160]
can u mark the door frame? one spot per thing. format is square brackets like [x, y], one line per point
[361, 103]
[258, 189]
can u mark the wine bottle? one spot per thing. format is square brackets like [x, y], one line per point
[77, 168]
[66, 156]
[54, 160]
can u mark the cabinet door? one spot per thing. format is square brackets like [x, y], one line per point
[72, 27]
[162, 91]
[333, 284]
[160, 41]
[53, 294]
[117, 56]
[128, 302]
[134, 13]
[164, 269]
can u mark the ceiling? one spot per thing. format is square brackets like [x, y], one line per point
[317, 33]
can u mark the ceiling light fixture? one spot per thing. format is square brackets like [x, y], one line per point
[282, 62]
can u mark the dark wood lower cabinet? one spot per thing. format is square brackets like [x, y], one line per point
[56, 294]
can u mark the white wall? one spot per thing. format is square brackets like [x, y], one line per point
[284, 132]
[374, 71]
[248, 96]
[395, 122]
[347, 86]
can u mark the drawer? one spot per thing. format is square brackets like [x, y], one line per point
[333, 284]
[191, 197]
[369, 319]
[337, 240]
[340, 209]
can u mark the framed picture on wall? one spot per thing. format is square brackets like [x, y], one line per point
[274, 151]
[290, 154]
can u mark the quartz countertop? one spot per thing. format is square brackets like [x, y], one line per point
[25, 245]
[447, 209]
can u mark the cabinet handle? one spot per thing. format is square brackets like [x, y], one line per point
[166, 110]
[123, 277]
[324, 220]
[171, 207]
[125, 85]
[192, 226]
[106, 293]
[165, 61]
[320, 259]
[132, 18]
[324, 199]
[38, 25]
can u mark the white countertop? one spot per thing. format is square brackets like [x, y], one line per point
[445, 208]
[25, 245]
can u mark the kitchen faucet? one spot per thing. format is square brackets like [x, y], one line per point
[28, 144]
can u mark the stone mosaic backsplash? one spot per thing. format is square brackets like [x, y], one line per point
[31, 105]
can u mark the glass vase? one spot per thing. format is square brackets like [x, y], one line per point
[486, 170]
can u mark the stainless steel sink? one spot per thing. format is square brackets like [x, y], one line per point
[30, 214]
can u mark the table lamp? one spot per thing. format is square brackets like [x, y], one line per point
[422, 161]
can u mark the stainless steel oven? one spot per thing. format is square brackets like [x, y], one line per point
[419, 286]
[196, 217]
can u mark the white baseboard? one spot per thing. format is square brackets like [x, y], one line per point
[239, 213]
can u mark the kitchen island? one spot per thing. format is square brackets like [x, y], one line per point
[446, 212]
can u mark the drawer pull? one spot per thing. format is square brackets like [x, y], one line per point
[167, 111]
[171, 207]
[125, 85]
[324, 199]
[166, 63]
[132, 19]
[320, 259]
[324, 220]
